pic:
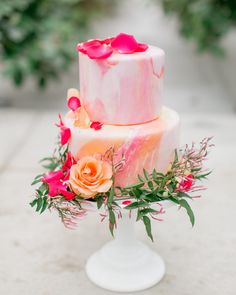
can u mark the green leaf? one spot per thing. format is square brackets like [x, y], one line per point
[36, 181]
[150, 185]
[139, 185]
[137, 193]
[44, 205]
[39, 192]
[39, 204]
[33, 203]
[146, 174]
[183, 195]
[111, 195]
[112, 221]
[141, 178]
[183, 203]
[136, 205]
[144, 212]
[147, 223]
[204, 176]
[99, 200]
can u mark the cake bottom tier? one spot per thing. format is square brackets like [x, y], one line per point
[143, 146]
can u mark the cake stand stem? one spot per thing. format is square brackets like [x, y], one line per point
[125, 264]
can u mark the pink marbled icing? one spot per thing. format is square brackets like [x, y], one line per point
[123, 89]
[150, 145]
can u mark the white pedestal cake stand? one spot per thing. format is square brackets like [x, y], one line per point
[125, 264]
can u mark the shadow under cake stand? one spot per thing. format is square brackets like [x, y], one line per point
[126, 264]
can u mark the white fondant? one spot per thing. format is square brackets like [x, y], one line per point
[124, 88]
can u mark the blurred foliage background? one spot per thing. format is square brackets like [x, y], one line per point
[37, 37]
[204, 22]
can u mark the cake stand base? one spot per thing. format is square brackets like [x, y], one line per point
[125, 264]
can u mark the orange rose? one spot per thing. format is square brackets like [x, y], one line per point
[90, 176]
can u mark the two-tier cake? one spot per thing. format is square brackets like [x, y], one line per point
[121, 94]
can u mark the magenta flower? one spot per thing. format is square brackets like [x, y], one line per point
[69, 161]
[65, 133]
[56, 184]
[53, 176]
[186, 184]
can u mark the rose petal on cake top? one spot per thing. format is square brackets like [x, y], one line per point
[107, 40]
[101, 51]
[82, 47]
[73, 103]
[141, 47]
[124, 43]
[96, 125]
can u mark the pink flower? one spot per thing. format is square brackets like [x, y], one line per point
[56, 187]
[68, 195]
[69, 161]
[73, 103]
[96, 125]
[53, 176]
[186, 183]
[56, 184]
[65, 133]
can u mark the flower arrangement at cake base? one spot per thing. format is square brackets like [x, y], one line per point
[77, 187]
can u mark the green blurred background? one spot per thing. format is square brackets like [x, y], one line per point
[37, 37]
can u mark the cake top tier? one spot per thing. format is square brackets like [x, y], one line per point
[121, 80]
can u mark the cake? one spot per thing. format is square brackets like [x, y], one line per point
[121, 93]
[118, 144]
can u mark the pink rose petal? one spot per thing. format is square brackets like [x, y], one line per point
[73, 103]
[107, 40]
[124, 43]
[65, 135]
[99, 51]
[82, 47]
[141, 47]
[96, 125]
